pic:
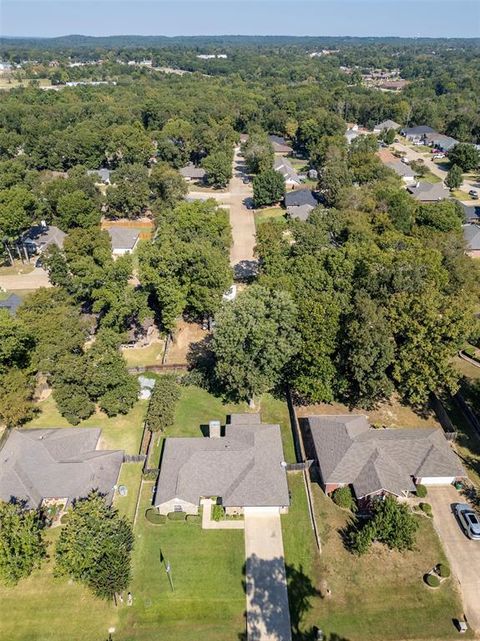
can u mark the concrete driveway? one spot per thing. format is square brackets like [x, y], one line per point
[268, 616]
[462, 553]
[33, 280]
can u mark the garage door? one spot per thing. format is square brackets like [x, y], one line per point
[437, 480]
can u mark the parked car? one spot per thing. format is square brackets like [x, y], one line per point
[405, 160]
[438, 156]
[246, 180]
[473, 194]
[469, 520]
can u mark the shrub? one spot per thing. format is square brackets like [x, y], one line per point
[161, 408]
[421, 491]
[426, 508]
[432, 580]
[176, 516]
[193, 518]
[343, 497]
[154, 517]
[218, 513]
[151, 475]
[443, 570]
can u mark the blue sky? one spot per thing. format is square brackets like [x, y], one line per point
[436, 18]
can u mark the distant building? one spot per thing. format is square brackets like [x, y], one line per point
[440, 141]
[386, 125]
[192, 173]
[124, 240]
[280, 145]
[284, 167]
[38, 238]
[471, 235]
[428, 192]
[301, 197]
[417, 134]
[300, 212]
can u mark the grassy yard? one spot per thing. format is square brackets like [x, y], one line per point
[11, 83]
[45, 608]
[269, 213]
[429, 177]
[139, 356]
[461, 195]
[119, 432]
[130, 476]
[17, 268]
[377, 597]
[208, 602]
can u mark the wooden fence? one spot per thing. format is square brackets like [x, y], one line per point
[158, 369]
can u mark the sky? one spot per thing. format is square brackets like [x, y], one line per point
[408, 18]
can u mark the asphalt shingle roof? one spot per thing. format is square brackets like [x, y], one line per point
[244, 467]
[418, 131]
[471, 234]
[428, 192]
[56, 463]
[387, 124]
[302, 212]
[349, 451]
[123, 237]
[300, 197]
[284, 167]
[191, 171]
[45, 236]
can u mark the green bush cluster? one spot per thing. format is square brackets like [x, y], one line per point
[176, 516]
[421, 491]
[443, 570]
[193, 518]
[154, 517]
[161, 408]
[432, 580]
[218, 513]
[426, 508]
[343, 497]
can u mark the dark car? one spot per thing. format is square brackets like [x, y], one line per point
[469, 520]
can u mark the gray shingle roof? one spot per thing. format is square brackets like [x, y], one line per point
[284, 167]
[123, 237]
[43, 237]
[56, 463]
[349, 451]
[191, 171]
[280, 145]
[244, 467]
[471, 234]
[418, 131]
[12, 303]
[401, 169]
[428, 192]
[301, 212]
[471, 212]
[300, 197]
[387, 124]
[441, 140]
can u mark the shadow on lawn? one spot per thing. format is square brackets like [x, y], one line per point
[266, 594]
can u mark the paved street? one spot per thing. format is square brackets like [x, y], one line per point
[412, 154]
[241, 219]
[33, 280]
[268, 616]
[462, 553]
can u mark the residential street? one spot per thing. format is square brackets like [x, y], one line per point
[33, 280]
[462, 553]
[411, 154]
[242, 220]
[268, 616]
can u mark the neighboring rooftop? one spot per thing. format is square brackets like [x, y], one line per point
[12, 303]
[400, 168]
[36, 464]
[42, 236]
[103, 173]
[471, 234]
[349, 451]
[470, 212]
[421, 130]
[284, 167]
[386, 124]
[301, 212]
[428, 192]
[123, 238]
[300, 197]
[193, 172]
[244, 467]
[280, 145]
[441, 140]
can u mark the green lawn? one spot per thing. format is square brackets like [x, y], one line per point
[138, 356]
[269, 213]
[429, 177]
[377, 597]
[119, 432]
[130, 476]
[17, 268]
[208, 602]
[461, 195]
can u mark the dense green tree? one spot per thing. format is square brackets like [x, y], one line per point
[218, 166]
[467, 157]
[77, 210]
[168, 187]
[441, 216]
[73, 402]
[268, 188]
[334, 177]
[128, 143]
[15, 342]
[254, 339]
[162, 404]
[22, 545]
[16, 391]
[95, 547]
[258, 152]
[454, 177]
[128, 196]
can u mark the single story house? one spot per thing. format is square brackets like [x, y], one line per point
[192, 173]
[56, 464]
[471, 213]
[428, 192]
[123, 239]
[385, 126]
[440, 141]
[471, 235]
[103, 174]
[375, 462]
[244, 468]
[300, 212]
[417, 134]
[403, 170]
[39, 237]
[12, 303]
[300, 197]
[284, 167]
[280, 145]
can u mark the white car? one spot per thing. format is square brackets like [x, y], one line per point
[468, 520]
[231, 293]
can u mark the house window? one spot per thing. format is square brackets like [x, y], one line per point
[177, 508]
